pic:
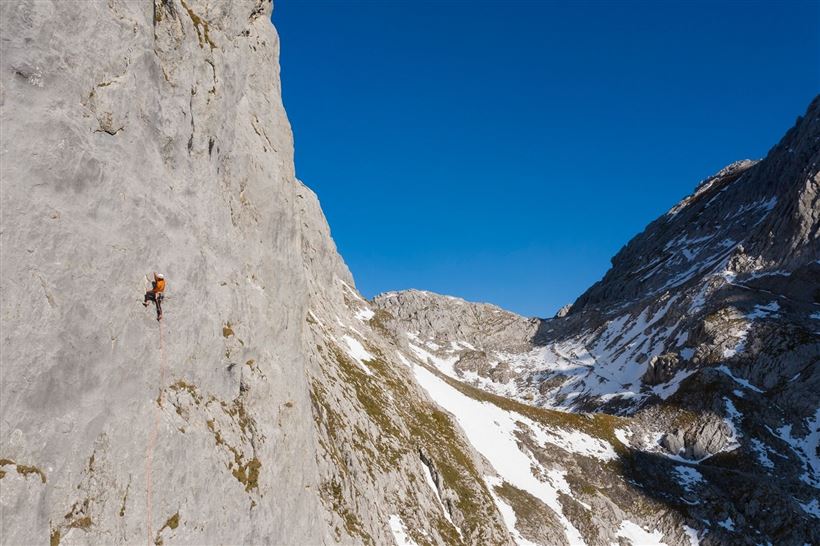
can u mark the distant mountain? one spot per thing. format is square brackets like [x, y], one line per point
[704, 337]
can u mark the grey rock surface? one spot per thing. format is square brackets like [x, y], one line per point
[446, 319]
[142, 136]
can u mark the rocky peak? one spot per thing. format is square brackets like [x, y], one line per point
[445, 319]
[766, 211]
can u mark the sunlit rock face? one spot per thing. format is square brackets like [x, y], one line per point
[274, 405]
[140, 137]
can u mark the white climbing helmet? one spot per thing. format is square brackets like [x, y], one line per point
[160, 276]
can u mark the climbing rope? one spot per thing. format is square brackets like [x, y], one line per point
[152, 438]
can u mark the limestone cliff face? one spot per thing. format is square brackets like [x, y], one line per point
[140, 137]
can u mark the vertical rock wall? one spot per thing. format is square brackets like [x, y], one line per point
[140, 137]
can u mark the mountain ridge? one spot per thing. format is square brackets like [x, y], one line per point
[719, 311]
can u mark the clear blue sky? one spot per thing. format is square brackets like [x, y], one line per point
[505, 151]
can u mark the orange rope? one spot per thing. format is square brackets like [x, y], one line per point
[152, 439]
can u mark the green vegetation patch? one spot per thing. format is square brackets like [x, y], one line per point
[124, 500]
[83, 523]
[533, 518]
[25, 470]
[245, 471]
[170, 523]
[405, 424]
[433, 429]
[200, 25]
[182, 385]
[332, 494]
[248, 473]
[380, 320]
[21, 469]
[581, 518]
[227, 330]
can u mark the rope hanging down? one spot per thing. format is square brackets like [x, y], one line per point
[152, 438]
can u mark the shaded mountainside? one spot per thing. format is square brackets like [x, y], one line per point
[274, 405]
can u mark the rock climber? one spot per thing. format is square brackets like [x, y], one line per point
[156, 293]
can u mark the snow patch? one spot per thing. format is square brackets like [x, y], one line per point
[665, 390]
[357, 352]
[506, 511]
[428, 474]
[404, 360]
[623, 435]
[444, 365]
[400, 532]
[768, 205]
[699, 300]
[728, 275]
[352, 291]
[558, 477]
[364, 314]
[806, 448]
[763, 311]
[733, 422]
[727, 524]
[635, 534]
[315, 318]
[692, 535]
[762, 452]
[738, 380]
[812, 507]
[572, 441]
[688, 477]
[491, 430]
[740, 344]
[732, 411]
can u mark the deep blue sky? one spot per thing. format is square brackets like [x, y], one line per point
[504, 151]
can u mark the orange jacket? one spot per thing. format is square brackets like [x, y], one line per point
[159, 285]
